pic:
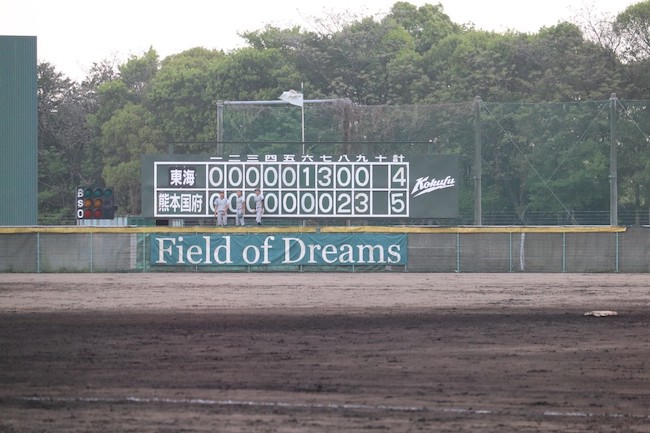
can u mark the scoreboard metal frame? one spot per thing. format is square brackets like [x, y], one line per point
[296, 187]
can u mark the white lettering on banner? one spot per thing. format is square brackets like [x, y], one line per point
[194, 254]
[208, 260]
[272, 249]
[347, 254]
[164, 246]
[394, 251]
[223, 248]
[266, 246]
[330, 253]
[246, 256]
[423, 185]
[371, 255]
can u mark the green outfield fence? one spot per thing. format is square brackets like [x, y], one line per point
[430, 249]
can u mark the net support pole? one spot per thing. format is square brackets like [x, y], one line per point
[613, 169]
[302, 118]
[478, 211]
[219, 128]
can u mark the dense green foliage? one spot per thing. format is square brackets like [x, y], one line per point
[407, 82]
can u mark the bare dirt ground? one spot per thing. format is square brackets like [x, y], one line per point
[324, 353]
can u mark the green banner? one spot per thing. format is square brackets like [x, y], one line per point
[278, 249]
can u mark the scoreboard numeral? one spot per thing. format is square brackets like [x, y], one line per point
[326, 179]
[397, 203]
[305, 171]
[289, 202]
[343, 177]
[325, 203]
[271, 202]
[400, 176]
[271, 176]
[307, 202]
[289, 177]
[362, 202]
[344, 203]
[362, 176]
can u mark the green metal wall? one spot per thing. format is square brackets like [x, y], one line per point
[18, 131]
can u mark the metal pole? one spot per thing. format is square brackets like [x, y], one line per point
[145, 237]
[563, 251]
[613, 169]
[510, 252]
[478, 210]
[38, 252]
[618, 257]
[302, 113]
[457, 252]
[220, 127]
[92, 259]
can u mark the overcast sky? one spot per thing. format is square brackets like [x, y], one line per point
[72, 34]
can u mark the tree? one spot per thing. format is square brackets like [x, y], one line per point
[129, 134]
[572, 68]
[633, 26]
[138, 72]
[477, 63]
[600, 30]
[427, 25]
[124, 128]
[66, 159]
[181, 98]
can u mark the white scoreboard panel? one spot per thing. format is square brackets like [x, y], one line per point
[294, 186]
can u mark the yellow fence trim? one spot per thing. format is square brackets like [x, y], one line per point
[482, 229]
[154, 229]
[306, 229]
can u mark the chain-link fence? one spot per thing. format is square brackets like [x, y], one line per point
[525, 163]
[546, 163]
[460, 249]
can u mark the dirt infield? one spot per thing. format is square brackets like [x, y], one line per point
[324, 353]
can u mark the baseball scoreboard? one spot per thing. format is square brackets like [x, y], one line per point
[303, 186]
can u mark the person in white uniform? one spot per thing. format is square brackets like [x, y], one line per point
[221, 209]
[240, 208]
[259, 206]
